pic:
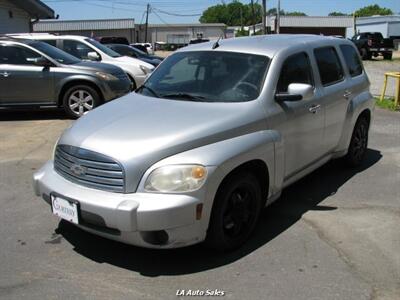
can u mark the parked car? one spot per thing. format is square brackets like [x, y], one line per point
[135, 53]
[36, 74]
[145, 47]
[216, 133]
[86, 48]
[113, 40]
[373, 44]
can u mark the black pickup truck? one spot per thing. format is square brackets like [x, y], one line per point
[373, 44]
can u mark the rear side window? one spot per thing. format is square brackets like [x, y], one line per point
[352, 60]
[296, 69]
[330, 69]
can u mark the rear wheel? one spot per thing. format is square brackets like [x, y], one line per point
[235, 212]
[387, 56]
[358, 143]
[79, 100]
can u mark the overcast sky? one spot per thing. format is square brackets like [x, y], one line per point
[164, 10]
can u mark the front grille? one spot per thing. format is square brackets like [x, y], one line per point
[89, 168]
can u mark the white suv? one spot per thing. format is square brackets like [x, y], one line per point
[88, 49]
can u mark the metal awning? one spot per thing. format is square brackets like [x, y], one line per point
[35, 8]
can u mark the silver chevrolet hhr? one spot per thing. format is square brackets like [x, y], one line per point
[214, 135]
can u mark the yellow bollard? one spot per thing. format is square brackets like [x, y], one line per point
[384, 87]
[395, 75]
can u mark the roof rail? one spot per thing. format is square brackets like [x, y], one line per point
[31, 34]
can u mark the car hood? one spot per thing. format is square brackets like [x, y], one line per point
[139, 131]
[126, 60]
[96, 67]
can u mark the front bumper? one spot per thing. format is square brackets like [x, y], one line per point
[137, 218]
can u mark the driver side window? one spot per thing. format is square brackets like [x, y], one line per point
[16, 55]
[77, 49]
[296, 69]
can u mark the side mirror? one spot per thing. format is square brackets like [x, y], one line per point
[93, 56]
[296, 92]
[40, 62]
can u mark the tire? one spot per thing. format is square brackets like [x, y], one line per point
[387, 56]
[235, 212]
[134, 86]
[365, 54]
[358, 143]
[80, 99]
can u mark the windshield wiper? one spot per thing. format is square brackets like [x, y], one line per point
[186, 96]
[150, 90]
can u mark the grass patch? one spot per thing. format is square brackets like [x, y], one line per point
[387, 103]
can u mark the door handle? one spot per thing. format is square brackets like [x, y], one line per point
[5, 74]
[314, 108]
[347, 94]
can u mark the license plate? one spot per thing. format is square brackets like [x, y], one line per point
[65, 209]
[382, 49]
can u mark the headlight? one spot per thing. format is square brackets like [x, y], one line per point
[145, 70]
[106, 76]
[176, 179]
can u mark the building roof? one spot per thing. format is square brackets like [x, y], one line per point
[313, 21]
[188, 25]
[71, 25]
[35, 8]
[378, 19]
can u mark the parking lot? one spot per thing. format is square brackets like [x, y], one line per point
[332, 235]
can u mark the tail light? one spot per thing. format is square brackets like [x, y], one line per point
[369, 42]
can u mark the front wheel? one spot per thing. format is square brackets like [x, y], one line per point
[235, 212]
[79, 100]
[358, 143]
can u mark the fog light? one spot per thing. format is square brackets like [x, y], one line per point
[159, 237]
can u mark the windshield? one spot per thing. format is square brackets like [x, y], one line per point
[212, 76]
[103, 48]
[55, 53]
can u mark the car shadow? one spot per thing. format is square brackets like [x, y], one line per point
[303, 196]
[24, 114]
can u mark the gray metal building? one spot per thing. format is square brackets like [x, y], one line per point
[171, 33]
[389, 26]
[181, 33]
[18, 15]
[90, 28]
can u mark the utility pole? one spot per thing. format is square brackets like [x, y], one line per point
[147, 22]
[264, 16]
[241, 19]
[278, 18]
[253, 17]
[354, 23]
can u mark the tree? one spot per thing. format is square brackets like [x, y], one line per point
[372, 10]
[233, 14]
[295, 13]
[337, 13]
[273, 11]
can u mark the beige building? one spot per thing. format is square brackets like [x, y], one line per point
[17, 16]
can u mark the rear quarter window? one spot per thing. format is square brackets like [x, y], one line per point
[352, 60]
[329, 67]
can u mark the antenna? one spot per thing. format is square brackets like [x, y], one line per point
[216, 44]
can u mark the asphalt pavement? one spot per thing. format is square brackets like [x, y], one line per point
[333, 235]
